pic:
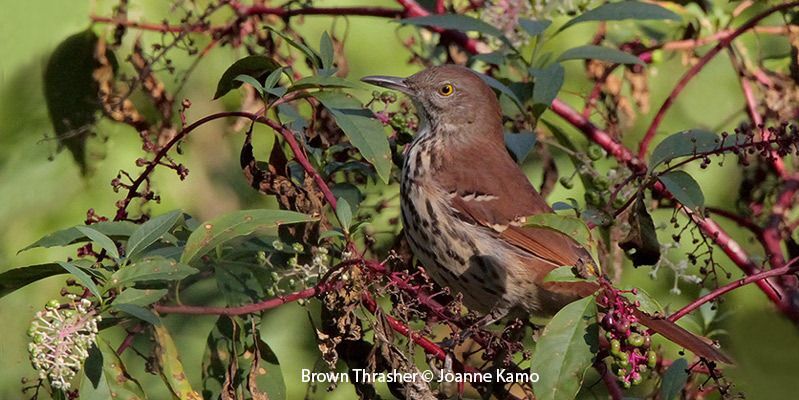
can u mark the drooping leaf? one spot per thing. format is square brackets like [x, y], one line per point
[624, 10]
[317, 81]
[82, 277]
[685, 143]
[565, 351]
[149, 232]
[117, 230]
[458, 22]
[684, 188]
[344, 213]
[17, 278]
[309, 53]
[601, 53]
[170, 366]
[233, 225]
[140, 297]
[674, 379]
[520, 144]
[548, 82]
[502, 88]
[72, 93]
[648, 304]
[152, 268]
[106, 378]
[100, 239]
[257, 67]
[138, 312]
[534, 27]
[641, 237]
[566, 273]
[252, 82]
[219, 357]
[364, 132]
[266, 376]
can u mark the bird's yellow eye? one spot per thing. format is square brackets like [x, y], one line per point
[446, 90]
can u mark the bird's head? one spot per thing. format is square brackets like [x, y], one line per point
[449, 98]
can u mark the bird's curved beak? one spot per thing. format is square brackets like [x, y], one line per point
[388, 82]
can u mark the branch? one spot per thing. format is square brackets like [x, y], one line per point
[694, 70]
[707, 225]
[788, 269]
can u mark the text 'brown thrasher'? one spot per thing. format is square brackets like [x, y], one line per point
[464, 202]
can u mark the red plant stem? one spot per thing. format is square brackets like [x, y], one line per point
[299, 154]
[738, 219]
[771, 237]
[694, 70]
[708, 226]
[128, 341]
[249, 308]
[754, 115]
[413, 9]
[610, 381]
[358, 11]
[790, 268]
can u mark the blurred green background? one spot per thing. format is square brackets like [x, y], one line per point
[38, 196]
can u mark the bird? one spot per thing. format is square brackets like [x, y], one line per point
[464, 202]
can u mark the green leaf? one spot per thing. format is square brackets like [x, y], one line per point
[593, 52]
[149, 232]
[72, 93]
[309, 53]
[565, 273]
[520, 144]
[326, 51]
[82, 277]
[502, 88]
[648, 304]
[674, 379]
[641, 237]
[457, 22]
[624, 10]
[272, 80]
[233, 225]
[565, 351]
[138, 312]
[344, 213]
[364, 132]
[252, 82]
[548, 82]
[100, 239]
[105, 376]
[170, 367]
[315, 82]
[255, 67]
[572, 227]
[148, 269]
[17, 278]
[119, 230]
[534, 27]
[266, 376]
[140, 297]
[685, 143]
[684, 188]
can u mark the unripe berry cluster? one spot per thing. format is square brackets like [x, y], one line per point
[630, 345]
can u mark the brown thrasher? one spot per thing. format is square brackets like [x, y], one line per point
[464, 202]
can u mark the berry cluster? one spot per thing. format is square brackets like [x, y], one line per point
[629, 342]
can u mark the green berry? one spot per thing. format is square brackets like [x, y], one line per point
[615, 347]
[594, 152]
[53, 304]
[635, 340]
[651, 359]
[593, 198]
[566, 182]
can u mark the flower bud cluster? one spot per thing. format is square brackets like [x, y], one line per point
[630, 345]
[61, 336]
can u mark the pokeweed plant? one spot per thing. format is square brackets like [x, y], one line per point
[373, 307]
